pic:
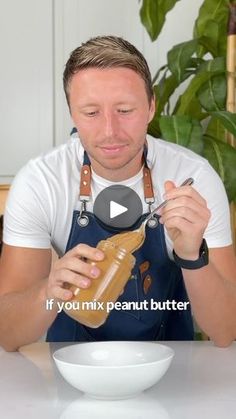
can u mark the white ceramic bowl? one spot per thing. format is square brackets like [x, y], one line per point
[115, 369]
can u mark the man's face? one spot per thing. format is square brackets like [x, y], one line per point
[111, 112]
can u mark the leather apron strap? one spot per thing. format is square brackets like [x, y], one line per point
[86, 176]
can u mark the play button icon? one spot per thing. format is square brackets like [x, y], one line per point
[116, 209]
[118, 206]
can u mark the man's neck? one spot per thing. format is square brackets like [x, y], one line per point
[119, 174]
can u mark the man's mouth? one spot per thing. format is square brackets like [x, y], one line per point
[112, 149]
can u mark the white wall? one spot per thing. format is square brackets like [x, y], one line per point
[26, 82]
[36, 37]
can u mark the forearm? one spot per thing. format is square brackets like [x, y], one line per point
[23, 316]
[213, 302]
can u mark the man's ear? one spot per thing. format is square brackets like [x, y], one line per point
[152, 108]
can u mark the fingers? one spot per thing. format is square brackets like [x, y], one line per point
[62, 279]
[72, 269]
[169, 185]
[186, 208]
[187, 191]
[184, 202]
[57, 292]
[72, 278]
[84, 251]
[77, 265]
[185, 217]
[183, 225]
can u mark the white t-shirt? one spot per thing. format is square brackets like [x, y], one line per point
[45, 193]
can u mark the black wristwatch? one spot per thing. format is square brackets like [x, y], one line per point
[203, 259]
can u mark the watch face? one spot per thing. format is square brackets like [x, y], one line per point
[204, 250]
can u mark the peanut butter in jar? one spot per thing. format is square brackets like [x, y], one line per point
[115, 271]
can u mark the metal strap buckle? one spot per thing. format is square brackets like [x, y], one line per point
[83, 219]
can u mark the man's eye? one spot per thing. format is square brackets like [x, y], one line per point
[124, 111]
[91, 113]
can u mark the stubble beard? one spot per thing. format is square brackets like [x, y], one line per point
[119, 166]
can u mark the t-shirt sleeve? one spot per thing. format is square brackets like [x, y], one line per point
[210, 186]
[26, 217]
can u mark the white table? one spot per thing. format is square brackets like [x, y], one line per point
[201, 383]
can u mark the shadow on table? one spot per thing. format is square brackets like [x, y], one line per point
[141, 407]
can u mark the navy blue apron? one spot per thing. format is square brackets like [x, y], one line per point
[155, 278]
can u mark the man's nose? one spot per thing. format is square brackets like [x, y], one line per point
[110, 124]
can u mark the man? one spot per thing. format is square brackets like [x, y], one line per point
[109, 93]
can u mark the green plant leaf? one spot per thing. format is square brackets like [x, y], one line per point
[206, 71]
[189, 95]
[215, 129]
[194, 109]
[196, 62]
[228, 119]
[154, 127]
[182, 130]
[153, 15]
[212, 94]
[196, 137]
[209, 46]
[212, 23]
[159, 71]
[179, 58]
[176, 129]
[163, 92]
[222, 157]
[212, 31]
[217, 65]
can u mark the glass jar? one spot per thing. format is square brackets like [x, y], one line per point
[90, 306]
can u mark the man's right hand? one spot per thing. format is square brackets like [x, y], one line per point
[73, 269]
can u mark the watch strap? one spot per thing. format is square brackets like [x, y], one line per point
[203, 259]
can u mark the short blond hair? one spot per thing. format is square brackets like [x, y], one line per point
[107, 52]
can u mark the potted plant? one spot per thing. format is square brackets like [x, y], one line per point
[200, 116]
